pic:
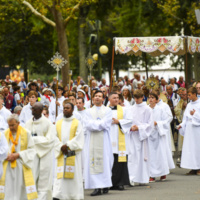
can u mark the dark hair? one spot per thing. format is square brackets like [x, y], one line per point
[81, 99]
[72, 106]
[16, 88]
[72, 95]
[121, 97]
[154, 94]
[192, 90]
[47, 110]
[98, 91]
[13, 84]
[129, 94]
[138, 94]
[157, 91]
[112, 93]
[60, 88]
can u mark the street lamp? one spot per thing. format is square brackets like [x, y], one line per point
[95, 56]
[102, 51]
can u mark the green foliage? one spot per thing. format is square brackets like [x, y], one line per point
[27, 40]
[24, 39]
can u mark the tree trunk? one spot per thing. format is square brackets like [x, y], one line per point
[83, 71]
[190, 68]
[63, 45]
[197, 66]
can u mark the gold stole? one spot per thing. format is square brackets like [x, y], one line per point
[28, 175]
[70, 164]
[121, 138]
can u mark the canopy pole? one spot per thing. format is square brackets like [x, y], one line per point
[186, 62]
[146, 65]
[111, 72]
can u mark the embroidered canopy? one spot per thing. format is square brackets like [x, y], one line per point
[193, 45]
[156, 46]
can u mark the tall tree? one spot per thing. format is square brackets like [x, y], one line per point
[62, 11]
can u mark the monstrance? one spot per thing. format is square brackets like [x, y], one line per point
[57, 62]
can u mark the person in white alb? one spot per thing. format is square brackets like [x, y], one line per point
[98, 156]
[190, 129]
[158, 145]
[17, 181]
[43, 133]
[4, 114]
[58, 104]
[142, 124]
[69, 143]
[3, 151]
[26, 112]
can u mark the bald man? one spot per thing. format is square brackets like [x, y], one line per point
[43, 133]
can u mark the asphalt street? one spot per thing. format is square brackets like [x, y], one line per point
[178, 186]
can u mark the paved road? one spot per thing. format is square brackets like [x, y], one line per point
[178, 186]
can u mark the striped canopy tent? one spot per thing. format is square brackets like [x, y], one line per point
[156, 46]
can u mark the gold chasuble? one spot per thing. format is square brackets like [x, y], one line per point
[121, 138]
[70, 164]
[28, 175]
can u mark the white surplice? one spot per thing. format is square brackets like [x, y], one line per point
[138, 162]
[25, 114]
[158, 146]
[15, 188]
[44, 143]
[170, 139]
[82, 113]
[69, 189]
[101, 180]
[125, 124]
[167, 109]
[3, 151]
[3, 125]
[52, 108]
[4, 113]
[191, 131]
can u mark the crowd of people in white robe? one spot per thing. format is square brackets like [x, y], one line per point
[70, 145]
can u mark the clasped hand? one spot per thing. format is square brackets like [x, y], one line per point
[192, 112]
[134, 128]
[12, 157]
[115, 121]
[64, 149]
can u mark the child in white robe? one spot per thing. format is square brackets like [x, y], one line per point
[158, 146]
[190, 129]
[142, 123]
